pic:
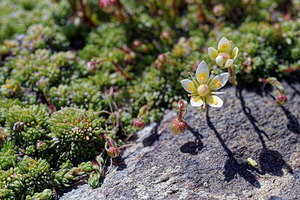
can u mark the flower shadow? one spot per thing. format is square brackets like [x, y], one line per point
[290, 82]
[232, 168]
[293, 124]
[119, 163]
[193, 147]
[271, 161]
[154, 136]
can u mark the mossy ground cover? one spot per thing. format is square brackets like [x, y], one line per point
[75, 75]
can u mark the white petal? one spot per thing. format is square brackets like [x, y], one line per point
[223, 44]
[235, 53]
[202, 72]
[214, 101]
[219, 61]
[213, 53]
[188, 85]
[228, 63]
[218, 81]
[196, 101]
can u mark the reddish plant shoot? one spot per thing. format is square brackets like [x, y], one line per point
[111, 147]
[178, 125]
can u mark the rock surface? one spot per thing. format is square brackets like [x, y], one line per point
[209, 161]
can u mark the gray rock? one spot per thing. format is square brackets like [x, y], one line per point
[209, 161]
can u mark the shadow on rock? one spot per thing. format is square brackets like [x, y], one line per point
[293, 124]
[271, 162]
[290, 82]
[193, 147]
[149, 140]
[119, 162]
[252, 120]
[232, 167]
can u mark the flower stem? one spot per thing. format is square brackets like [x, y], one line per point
[180, 109]
[121, 71]
[231, 75]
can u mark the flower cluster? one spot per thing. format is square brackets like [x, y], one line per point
[225, 55]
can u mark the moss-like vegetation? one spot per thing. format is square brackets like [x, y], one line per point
[76, 74]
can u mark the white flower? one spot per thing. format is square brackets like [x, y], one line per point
[203, 90]
[225, 55]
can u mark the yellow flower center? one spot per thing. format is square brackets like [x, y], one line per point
[203, 90]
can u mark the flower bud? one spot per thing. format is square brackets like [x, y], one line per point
[281, 99]
[18, 126]
[218, 10]
[166, 36]
[162, 57]
[137, 43]
[160, 62]
[219, 61]
[91, 66]
[107, 5]
[113, 152]
[139, 124]
[140, 47]
[40, 146]
[178, 126]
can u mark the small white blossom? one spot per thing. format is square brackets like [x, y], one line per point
[203, 90]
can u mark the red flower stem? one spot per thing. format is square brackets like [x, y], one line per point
[200, 13]
[180, 109]
[291, 69]
[50, 105]
[119, 4]
[152, 9]
[174, 6]
[107, 140]
[117, 67]
[230, 74]
[121, 71]
[47, 97]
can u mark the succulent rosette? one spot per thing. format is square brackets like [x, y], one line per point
[225, 55]
[203, 90]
